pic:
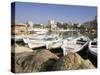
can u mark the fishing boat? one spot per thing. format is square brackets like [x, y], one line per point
[17, 38]
[35, 37]
[93, 47]
[33, 41]
[34, 45]
[50, 41]
[75, 45]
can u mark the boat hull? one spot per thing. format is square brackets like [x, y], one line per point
[74, 45]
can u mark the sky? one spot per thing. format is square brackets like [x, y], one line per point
[41, 13]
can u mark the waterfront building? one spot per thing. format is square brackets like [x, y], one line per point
[52, 24]
[18, 29]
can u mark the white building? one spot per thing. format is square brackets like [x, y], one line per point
[52, 24]
[18, 29]
[30, 23]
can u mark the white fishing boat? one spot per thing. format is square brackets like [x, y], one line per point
[33, 41]
[74, 45]
[54, 45]
[49, 41]
[35, 37]
[35, 45]
[93, 47]
[52, 42]
[17, 38]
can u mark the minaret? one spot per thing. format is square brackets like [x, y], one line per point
[51, 24]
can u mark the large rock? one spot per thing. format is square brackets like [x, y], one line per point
[72, 61]
[87, 64]
[42, 60]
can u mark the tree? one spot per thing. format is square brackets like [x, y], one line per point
[59, 25]
[75, 26]
[65, 25]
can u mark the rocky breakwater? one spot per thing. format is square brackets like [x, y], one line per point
[72, 61]
[27, 60]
